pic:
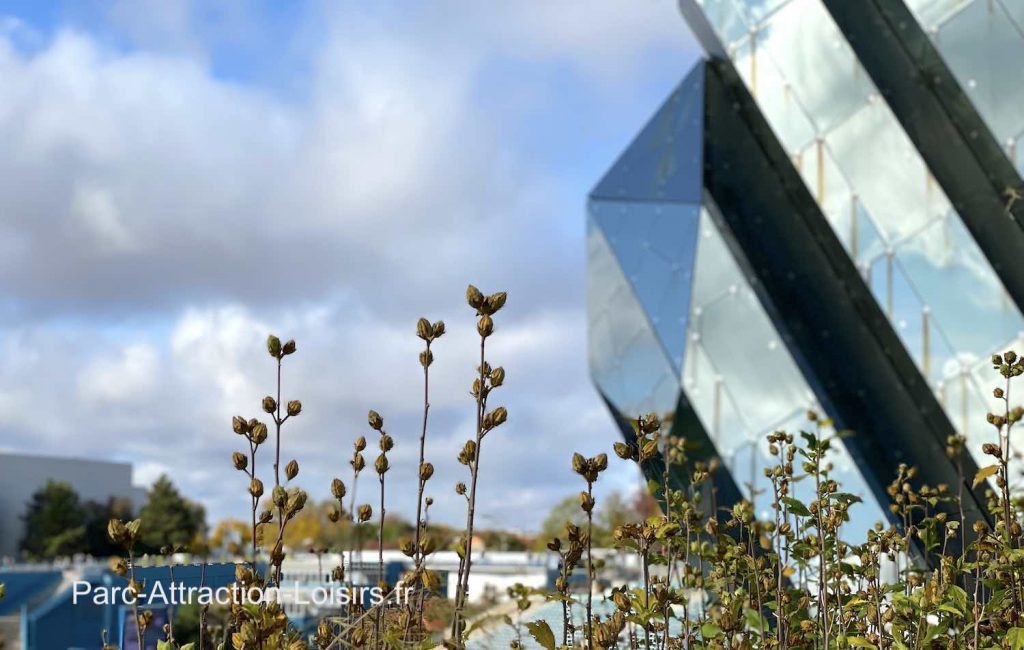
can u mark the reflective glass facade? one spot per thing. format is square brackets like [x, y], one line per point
[982, 42]
[673, 320]
[660, 248]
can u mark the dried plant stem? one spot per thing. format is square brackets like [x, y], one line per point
[380, 565]
[418, 559]
[590, 568]
[474, 468]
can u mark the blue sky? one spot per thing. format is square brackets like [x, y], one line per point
[179, 178]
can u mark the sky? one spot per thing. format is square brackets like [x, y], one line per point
[178, 179]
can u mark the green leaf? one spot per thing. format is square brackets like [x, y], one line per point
[1015, 637]
[796, 507]
[860, 642]
[984, 473]
[542, 634]
[164, 645]
[710, 631]
[188, 646]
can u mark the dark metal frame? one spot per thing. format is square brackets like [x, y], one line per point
[943, 124]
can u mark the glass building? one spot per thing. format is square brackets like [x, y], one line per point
[827, 214]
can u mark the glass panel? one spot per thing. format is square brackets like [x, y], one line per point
[735, 329]
[729, 20]
[655, 245]
[665, 161]
[712, 401]
[774, 96]
[626, 360]
[716, 270]
[816, 60]
[889, 176]
[984, 48]
[842, 208]
[954, 279]
[931, 13]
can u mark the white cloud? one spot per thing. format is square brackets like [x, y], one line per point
[161, 221]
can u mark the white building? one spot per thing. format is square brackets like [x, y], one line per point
[22, 475]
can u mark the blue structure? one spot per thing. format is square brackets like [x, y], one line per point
[51, 618]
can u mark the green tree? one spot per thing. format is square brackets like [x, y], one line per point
[169, 519]
[566, 510]
[97, 515]
[613, 511]
[54, 523]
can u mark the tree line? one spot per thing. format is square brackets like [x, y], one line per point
[58, 523]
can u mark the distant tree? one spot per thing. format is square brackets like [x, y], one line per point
[566, 510]
[231, 537]
[54, 523]
[169, 519]
[97, 515]
[611, 512]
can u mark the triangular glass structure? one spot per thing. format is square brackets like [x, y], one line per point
[664, 163]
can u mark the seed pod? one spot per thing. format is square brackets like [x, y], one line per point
[338, 574]
[116, 531]
[266, 516]
[426, 358]
[426, 471]
[381, 464]
[485, 326]
[600, 462]
[375, 420]
[338, 489]
[288, 347]
[586, 502]
[497, 377]
[496, 301]
[622, 450]
[132, 528]
[460, 488]
[274, 346]
[428, 546]
[258, 433]
[269, 404]
[991, 449]
[437, 329]
[256, 488]
[579, 464]
[408, 548]
[474, 297]
[387, 443]
[239, 425]
[424, 329]
[498, 416]
[365, 512]
[357, 462]
[239, 460]
[334, 515]
[291, 470]
[297, 501]
[360, 443]
[621, 601]
[119, 566]
[294, 407]
[279, 496]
